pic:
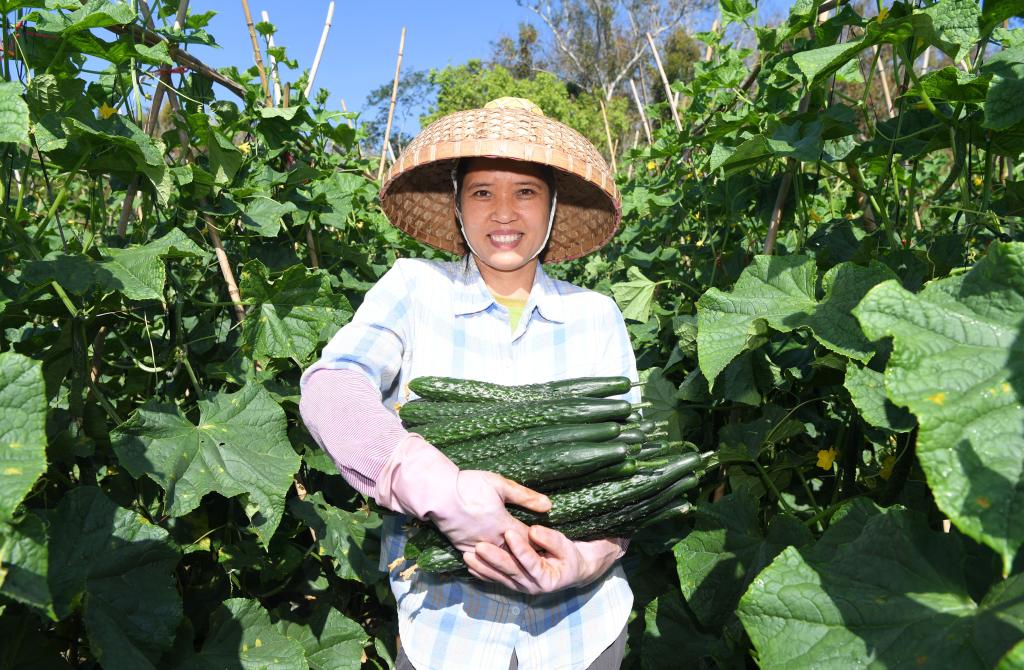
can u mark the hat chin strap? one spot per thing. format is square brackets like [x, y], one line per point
[462, 226]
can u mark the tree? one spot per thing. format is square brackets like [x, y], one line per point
[519, 56]
[599, 43]
[473, 84]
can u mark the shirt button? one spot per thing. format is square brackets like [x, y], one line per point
[515, 611]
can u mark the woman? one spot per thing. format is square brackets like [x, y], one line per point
[505, 186]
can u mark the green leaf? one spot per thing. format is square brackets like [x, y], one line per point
[726, 550]
[958, 365]
[635, 297]
[746, 440]
[92, 14]
[995, 12]
[331, 642]
[242, 636]
[867, 390]
[779, 292]
[1002, 102]
[880, 590]
[351, 538]
[956, 22]
[292, 314]
[239, 448]
[138, 273]
[22, 429]
[1014, 659]
[953, 85]
[24, 557]
[116, 136]
[263, 215]
[13, 113]
[154, 55]
[119, 570]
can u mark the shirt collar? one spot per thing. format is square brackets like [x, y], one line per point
[472, 295]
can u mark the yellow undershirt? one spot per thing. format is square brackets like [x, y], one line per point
[515, 307]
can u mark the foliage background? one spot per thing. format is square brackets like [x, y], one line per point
[826, 289]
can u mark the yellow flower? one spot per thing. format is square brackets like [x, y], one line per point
[106, 111]
[651, 165]
[826, 458]
[245, 148]
[882, 13]
[978, 181]
[888, 463]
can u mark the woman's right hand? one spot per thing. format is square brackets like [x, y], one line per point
[478, 513]
[468, 506]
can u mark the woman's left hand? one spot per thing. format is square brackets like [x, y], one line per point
[563, 563]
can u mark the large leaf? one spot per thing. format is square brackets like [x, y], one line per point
[958, 364]
[330, 642]
[242, 636]
[239, 448]
[1002, 102]
[779, 292]
[92, 14]
[352, 538]
[119, 570]
[880, 590]
[13, 113]
[726, 550]
[292, 314]
[22, 429]
[116, 139]
[138, 273]
[672, 639]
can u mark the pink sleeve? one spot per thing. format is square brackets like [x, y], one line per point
[343, 412]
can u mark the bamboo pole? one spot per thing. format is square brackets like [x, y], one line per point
[664, 80]
[709, 51]
[320, 49]
[884, 79]
[608, 136]
[275, 76]
[643, 114]
[256, 54]
[391, 108]
[780, 201]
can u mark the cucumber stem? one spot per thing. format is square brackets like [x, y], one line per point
[641, 405]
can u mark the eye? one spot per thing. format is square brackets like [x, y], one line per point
[528, 191]
[480, 193]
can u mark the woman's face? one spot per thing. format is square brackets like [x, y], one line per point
[505, 208]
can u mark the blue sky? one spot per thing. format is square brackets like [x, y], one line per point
[363, 42]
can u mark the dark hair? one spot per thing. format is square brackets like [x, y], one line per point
[547, 173]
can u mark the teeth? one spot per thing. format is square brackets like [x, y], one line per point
[506, 239]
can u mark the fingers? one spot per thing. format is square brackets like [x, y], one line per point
[517, 494]
[551, 541]
[486, 573]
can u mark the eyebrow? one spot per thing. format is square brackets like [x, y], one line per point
[529, 181]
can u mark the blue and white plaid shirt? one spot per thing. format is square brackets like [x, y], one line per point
[438, 318]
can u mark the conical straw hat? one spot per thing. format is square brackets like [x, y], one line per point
[418, 197]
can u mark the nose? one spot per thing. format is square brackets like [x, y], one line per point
[504, 209]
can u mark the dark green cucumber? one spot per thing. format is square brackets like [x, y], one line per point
[449, 389]
[518, 440]
[669, 512]
[421, 411]
[654, 450]
[626, 468]
[605, 497]
[624, 520]
[631, 436]
[559, 461]
[506, 417]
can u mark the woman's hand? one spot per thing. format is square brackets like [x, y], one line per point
[563, 563]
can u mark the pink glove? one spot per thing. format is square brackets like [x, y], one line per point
[468, 506]
[564, 562]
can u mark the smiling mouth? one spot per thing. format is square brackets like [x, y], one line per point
[503, 239]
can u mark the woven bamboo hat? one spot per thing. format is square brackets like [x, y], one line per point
[418, 197]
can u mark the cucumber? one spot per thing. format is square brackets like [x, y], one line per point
[631, 436]
[605, 497]
[518, 440]
[468, 390]
[506, 417]
[626, 468]
[420, 411]
[559, 461]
